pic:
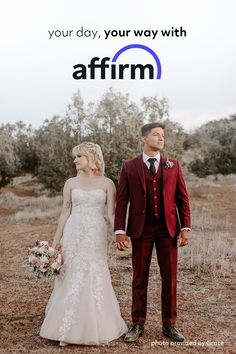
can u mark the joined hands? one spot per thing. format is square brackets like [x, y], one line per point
[122, 242]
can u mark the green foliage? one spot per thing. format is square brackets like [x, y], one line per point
[113, 122]
[215, 146]
[9, 161]
[17, 151]
[53, 143]
[174, 139]
[24, 148]
[156, 109]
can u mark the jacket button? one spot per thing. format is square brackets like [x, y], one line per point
[143, 211]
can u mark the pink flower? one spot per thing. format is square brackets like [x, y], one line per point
[43, 270]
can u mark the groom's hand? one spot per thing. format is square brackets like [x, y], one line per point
[183, 238]
[122, 242]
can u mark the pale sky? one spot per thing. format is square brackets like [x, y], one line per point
[198, 71]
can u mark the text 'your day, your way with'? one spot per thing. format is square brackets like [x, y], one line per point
[107, 34]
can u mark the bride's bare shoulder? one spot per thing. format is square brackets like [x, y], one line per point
[109, 183]
[70, 182]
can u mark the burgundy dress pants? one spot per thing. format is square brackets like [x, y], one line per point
[154, 233]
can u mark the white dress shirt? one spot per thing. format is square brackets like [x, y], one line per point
[156, 163]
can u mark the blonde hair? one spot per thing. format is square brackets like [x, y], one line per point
[94, 155]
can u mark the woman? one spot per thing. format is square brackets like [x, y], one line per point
[83, 308]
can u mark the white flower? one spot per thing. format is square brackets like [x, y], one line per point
[52, 252]
[44, 259]
[168, 164]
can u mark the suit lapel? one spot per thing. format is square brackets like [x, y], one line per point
[162, 161]
[140, 168]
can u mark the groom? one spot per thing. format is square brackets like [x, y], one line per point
[159, 214]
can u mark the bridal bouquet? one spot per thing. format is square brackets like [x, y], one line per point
[44, 260]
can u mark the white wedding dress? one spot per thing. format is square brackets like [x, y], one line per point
[83, 308]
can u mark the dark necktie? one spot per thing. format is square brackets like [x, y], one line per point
[152, 167]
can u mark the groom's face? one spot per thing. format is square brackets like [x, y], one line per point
[154, 139]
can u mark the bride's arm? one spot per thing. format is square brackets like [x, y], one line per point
[65, 213]
[111, 200]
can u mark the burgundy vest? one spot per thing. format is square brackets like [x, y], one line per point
[154, 192]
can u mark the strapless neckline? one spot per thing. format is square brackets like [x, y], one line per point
[89, 190]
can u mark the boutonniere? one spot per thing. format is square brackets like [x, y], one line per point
[168, 164]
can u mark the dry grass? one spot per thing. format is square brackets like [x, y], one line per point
[209, 253]
[7, 196]
[38, 208]
[204, 219]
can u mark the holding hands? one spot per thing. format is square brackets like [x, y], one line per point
[122, 242]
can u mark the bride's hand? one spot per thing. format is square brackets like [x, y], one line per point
[56, 246]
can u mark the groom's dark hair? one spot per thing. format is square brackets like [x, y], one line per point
[148, 127]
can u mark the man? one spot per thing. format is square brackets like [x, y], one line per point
[159, 214]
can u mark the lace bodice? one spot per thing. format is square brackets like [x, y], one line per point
[93, 199]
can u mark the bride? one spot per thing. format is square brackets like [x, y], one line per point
[83, 308]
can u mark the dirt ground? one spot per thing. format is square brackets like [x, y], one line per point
[206, 304]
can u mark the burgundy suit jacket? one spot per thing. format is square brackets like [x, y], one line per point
[132, 189]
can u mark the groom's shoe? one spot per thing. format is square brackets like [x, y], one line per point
[134, 333]
[173, 333]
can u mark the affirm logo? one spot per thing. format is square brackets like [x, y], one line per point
[103, 68]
